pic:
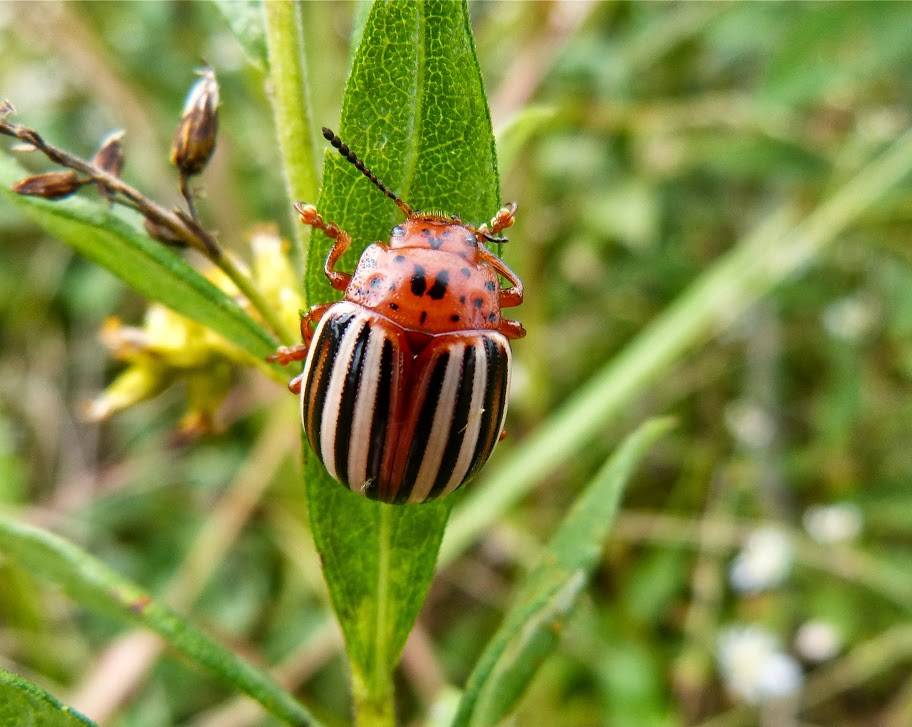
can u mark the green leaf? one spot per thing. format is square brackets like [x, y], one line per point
[547, 596]
[23, 704]
[415, 111]
[145, 265]
[93, 584]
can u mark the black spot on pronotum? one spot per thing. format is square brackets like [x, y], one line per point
[394, 306]
[419, 284]
[399, 259]
[423, 318]
[466, 272]
[438, 289]
[455, 318]
[462, 299]
[490, 286]
[492, 317]
[436, 242]
[477, 302]
[375, 281]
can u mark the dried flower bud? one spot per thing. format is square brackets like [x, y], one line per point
[194, 140]
[162, 233]
[50, 185]
[110, 158]
[110, 155]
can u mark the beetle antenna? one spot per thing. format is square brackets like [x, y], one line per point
[350, 156]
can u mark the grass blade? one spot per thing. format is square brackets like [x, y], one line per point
[24, 703]
[531, 627]
[93, 584]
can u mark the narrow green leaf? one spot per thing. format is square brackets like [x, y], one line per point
[93, 584]
[415, 111]
[23, 704]
[145, 265]
[245, 19]
[547, 596]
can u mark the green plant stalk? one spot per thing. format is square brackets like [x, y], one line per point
[243, 282]
[292, 114]
[373, 698]
[714, 301]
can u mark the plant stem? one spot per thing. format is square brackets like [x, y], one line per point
[374, 705]
[253, 294]
[291, 111]
[714, 301]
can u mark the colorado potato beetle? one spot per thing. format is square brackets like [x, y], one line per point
[404, 387]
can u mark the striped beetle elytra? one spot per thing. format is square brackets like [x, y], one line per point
[403, 393]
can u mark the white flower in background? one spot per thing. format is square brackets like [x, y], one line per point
[828, 524]
[750, 424]
[851, 318]
[764, 561]
[817, 641]
[754, 667]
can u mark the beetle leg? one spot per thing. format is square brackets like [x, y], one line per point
[511, 329]
[508, 297]
[504, 218]
[310, 319]
[284, 355]
[341, 242]
[294, 386]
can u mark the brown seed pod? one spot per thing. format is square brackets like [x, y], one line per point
[194, 140]
[50, 185]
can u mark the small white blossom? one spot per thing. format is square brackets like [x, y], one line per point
[764, 561]
[851, 318]
[750, 424]
[754, 667]
[818, 641]
[829, 524]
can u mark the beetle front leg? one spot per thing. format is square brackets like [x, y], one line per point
[508, 297]
[341, 243]
[309, 321]
[511, 329]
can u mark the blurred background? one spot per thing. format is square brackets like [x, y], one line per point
[759, 570]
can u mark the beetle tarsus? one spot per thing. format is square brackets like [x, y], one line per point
[284, 355]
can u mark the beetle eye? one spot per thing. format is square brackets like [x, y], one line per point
[398, 231]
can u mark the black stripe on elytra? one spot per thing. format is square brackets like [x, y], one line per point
[380, 419]
[347, 403]
[419, 284]
[423, 426]
[458, 423]
[335, 330]
[439, 288]
[490, 419]
[313, 376]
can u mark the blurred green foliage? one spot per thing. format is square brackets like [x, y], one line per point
[642, 140]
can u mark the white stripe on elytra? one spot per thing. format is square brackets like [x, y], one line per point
[365, 404]
[505, 347]
[476, 415]
[440, 428]
[333, 398]
[308, 364]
